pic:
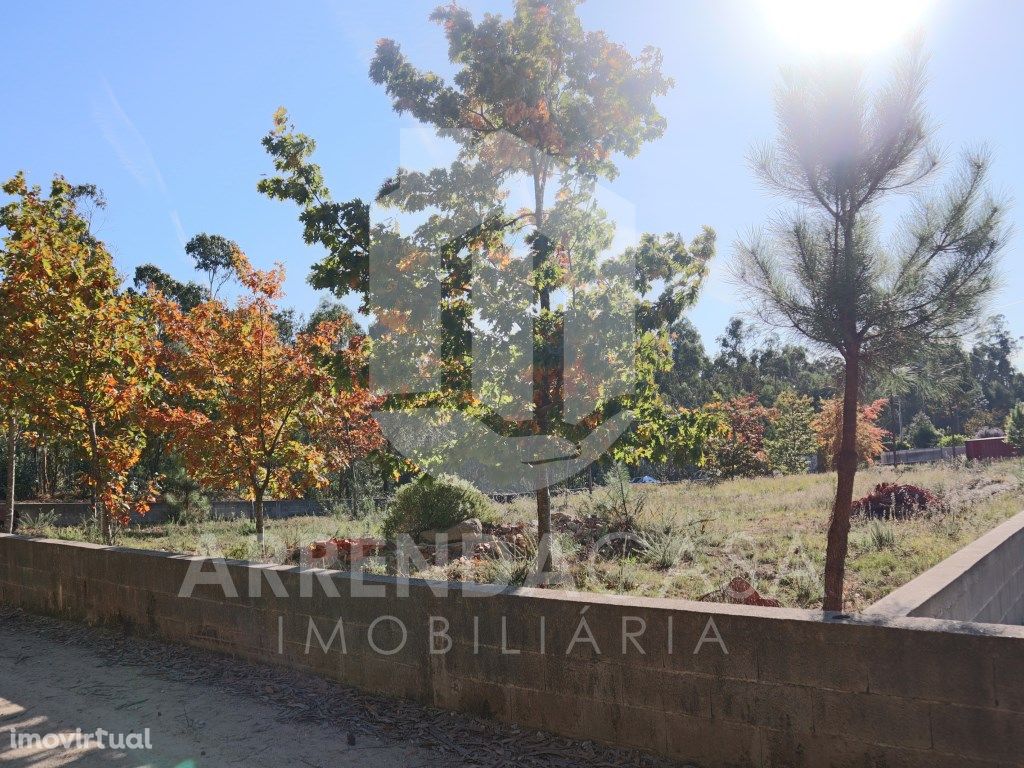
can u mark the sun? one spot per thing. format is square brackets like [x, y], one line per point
[843, 27]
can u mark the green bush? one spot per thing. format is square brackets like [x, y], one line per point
[922, 433]
[1015, 426]
[435, 504]
[950, 441]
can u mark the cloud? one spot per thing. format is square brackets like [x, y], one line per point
[132, 150]
[126, 140]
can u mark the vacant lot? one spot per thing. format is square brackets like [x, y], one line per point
[688, 539]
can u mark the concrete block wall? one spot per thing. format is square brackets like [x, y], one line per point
[712, 685]
[983, 582]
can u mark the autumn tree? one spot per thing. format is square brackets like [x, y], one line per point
[87, 352]
[825, 273]
[254, 413]
[870, 436]
[534, 97]
[739, 450]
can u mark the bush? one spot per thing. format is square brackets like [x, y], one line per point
[895, 500]
[186, 501]
[435, 504]
[950, 441]
[1015, 426]
[922, 433]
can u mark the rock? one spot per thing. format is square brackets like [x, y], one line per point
[467, 529]
[470, 527]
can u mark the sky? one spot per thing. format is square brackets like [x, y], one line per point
[163, 107]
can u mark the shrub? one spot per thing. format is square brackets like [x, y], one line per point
[922, 433]
[739, 450]
[619, 504]
[665, 543]
[186, 501]
[1015, 426]
[881, 536]
[38, 522]
[950, 441]
[435, 504]
[895, 500]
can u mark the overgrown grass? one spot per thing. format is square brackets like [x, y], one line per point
[697, 537]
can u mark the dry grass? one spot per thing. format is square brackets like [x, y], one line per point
[698, 537]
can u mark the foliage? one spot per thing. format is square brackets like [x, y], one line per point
[185, 497]
[92, 370]
[881, 536]
[824, 272]
[950, 441]
[740, 450]
[250, 412]
[896, 500]
[151, 277]
[870, 436]
[435, 504]
[213, 255]
[665, 542]
[619, 504]
[791, 437]
[922, 432]
[535, 96]
[1015, 426]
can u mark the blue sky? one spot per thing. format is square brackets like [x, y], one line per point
[163, 106]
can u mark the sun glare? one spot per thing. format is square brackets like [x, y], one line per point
[843, 27]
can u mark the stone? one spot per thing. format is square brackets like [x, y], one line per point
[467, 529]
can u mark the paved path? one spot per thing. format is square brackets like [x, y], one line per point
[47, 686]
[206, 711]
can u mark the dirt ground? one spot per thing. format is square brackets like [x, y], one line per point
[204, 710]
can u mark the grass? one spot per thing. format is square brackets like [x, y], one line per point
[693, 538]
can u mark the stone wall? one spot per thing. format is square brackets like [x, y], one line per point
[713, 685]
[983, 582]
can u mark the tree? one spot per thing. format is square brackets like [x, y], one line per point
[992, 367]
[188, 295]
[91, 368]
[212, 255]
[825, 274]
[870, 436]
[1015, 426]
[791, 437]
[739, 450]
[258, 414]
[534, 96]
[922, 432]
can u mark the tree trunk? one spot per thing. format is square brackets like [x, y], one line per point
[12, 445]
[102, 513]
[257, 508]
[44, 487]
[544, 530]
[846, 473]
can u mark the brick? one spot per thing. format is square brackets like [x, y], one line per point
[882, 720]
[978, 732]
[774, 706]
[712, 743]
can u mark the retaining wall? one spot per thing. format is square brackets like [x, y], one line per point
[713, 685]
[983, 582]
